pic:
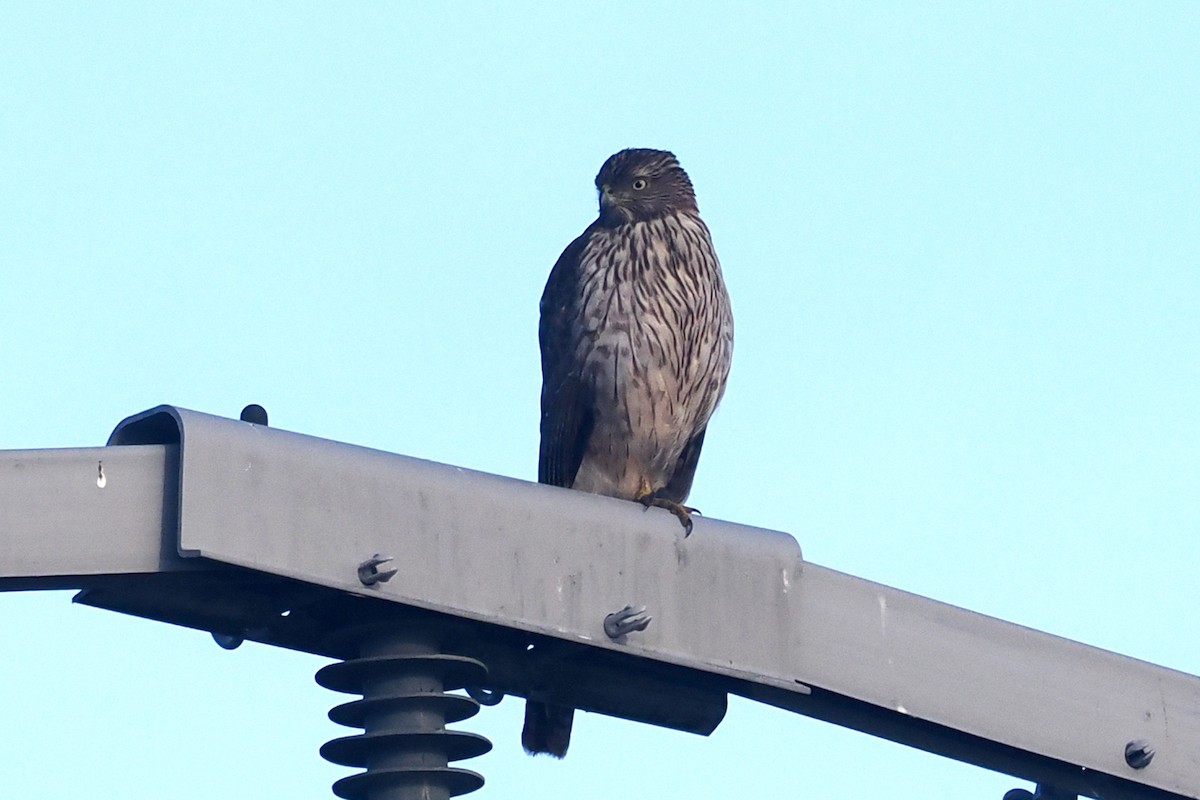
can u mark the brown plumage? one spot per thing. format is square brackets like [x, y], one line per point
[636, 337]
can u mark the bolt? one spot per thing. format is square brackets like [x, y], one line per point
[228, 641]
[254, 413]
[1139, 754]
[627, 620]
[369, 572]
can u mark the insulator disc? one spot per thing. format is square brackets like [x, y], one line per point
[360, 787]
[354, 714]
[358, 751]
[456, 672]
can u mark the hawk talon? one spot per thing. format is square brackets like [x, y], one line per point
[685, 518]
[682, 513]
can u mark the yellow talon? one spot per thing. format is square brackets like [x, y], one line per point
[649, 497]
[644, 490]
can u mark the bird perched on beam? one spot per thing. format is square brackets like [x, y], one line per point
[636, 337]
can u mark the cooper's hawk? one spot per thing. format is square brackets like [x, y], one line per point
[637, 337]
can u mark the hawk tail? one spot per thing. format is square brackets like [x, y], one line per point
[547, 729]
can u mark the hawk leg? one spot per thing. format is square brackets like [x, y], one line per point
[654, 497]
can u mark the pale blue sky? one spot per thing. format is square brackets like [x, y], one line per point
[963, 246]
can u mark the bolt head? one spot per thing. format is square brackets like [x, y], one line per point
[370, 574]
[1139, 753]
[227, 641]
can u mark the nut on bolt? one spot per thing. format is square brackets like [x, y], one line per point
[1139, 754]
[627, 620]
[369, 572]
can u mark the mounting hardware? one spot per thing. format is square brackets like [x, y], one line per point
[369, 572]
[228, 641]
[485, 697]
[1139, 753]
[627, 620]
[254, 414]
[1043, 792]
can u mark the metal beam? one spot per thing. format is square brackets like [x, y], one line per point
[69, 514]
[731, 606]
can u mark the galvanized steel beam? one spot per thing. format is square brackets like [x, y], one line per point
[734, 606]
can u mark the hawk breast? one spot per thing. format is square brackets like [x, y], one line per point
[655, 343]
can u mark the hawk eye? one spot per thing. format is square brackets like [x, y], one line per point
[639, 184]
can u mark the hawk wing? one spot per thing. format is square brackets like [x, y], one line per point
[567, 417]
[680, 484]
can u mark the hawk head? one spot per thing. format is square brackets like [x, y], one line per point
[637, 185]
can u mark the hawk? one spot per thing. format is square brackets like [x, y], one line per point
[636, 336]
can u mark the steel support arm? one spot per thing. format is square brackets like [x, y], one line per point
[729, 604]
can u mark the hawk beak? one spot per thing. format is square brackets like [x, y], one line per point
[607, 198]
